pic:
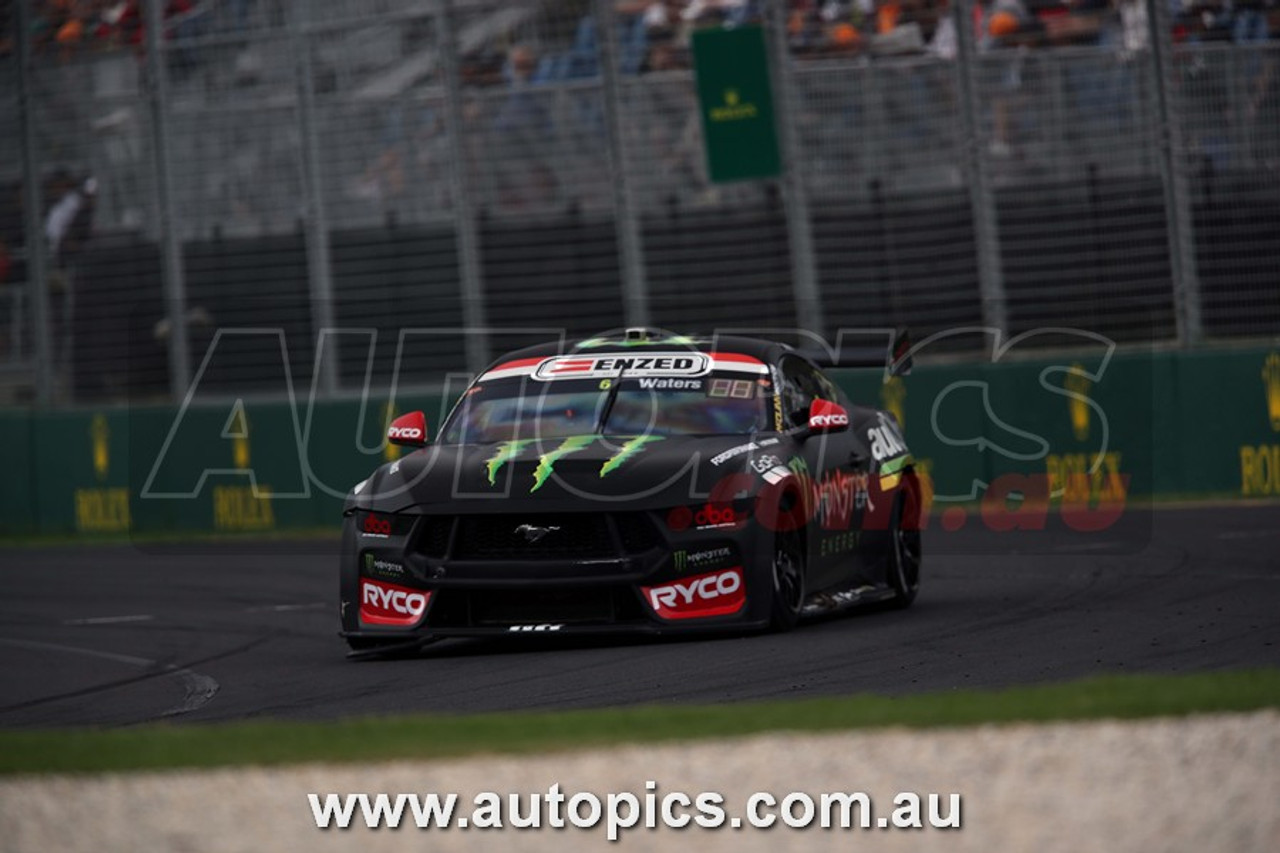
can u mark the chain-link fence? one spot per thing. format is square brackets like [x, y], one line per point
[181, 168]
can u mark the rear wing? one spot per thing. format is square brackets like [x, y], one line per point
[896, 359]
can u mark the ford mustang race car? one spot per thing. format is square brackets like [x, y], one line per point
[635, 482]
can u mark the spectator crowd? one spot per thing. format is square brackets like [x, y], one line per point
[75, 27]
[654, 34]
[905, 26]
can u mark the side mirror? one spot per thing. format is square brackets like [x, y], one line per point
[825, 416]
[409, 430]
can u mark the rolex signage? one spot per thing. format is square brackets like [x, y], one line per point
[736, 104]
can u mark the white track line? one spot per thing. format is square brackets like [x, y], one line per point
[285, 608]
[199, 688]
[108, 620]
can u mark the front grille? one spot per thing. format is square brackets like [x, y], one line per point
[516, 537]
[513, 607]
[637, 532]
[435, 535]
[471, 608]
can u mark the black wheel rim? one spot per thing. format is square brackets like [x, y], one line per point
[907, 557]
[787, 583]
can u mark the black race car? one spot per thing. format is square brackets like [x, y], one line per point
[634, 482]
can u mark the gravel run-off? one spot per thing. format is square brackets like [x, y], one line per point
[1207, 783]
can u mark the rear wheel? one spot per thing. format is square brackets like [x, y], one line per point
[788, 581]
[905, 554]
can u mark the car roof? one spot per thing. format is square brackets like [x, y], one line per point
[632, 342]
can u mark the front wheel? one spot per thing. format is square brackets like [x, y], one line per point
[788, 581]
[905, 553]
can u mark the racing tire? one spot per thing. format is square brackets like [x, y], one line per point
[787, 575]
[905, 555]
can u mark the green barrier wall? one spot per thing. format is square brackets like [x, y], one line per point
[1139, 425]
[1092, 429]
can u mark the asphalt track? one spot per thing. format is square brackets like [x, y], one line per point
[123, 635]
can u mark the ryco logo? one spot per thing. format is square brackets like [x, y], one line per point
[389, 604]
[404, 433]
[713, 594]
[829, 420]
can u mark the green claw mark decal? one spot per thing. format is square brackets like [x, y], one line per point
[506, 451]
[571, 444]
[509, 450]
[630, 448]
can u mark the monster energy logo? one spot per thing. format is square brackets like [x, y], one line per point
[708, 558]
[374, 566]
[548, 461]
[629, 448]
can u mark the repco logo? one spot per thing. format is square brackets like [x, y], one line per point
[388, 604]
[404, 433]
[374, 526]
[713, 594]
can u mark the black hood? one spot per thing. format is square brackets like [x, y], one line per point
[647, 472]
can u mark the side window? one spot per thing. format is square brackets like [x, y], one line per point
[829, 390]
[802, 383]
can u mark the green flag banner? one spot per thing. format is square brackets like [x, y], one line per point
[736, 103]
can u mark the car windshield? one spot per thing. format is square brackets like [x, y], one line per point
[511, 408]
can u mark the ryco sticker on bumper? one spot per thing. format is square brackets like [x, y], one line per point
[712, 594]
[384, 603]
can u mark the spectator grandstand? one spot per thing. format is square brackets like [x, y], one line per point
[471, 141]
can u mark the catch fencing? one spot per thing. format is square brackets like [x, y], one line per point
[341, 170]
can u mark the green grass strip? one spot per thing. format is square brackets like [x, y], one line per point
[439, 736]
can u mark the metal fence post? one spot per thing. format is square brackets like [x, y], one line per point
[1173, 175]
[33, 223]
[635, 287]
[471, 285]
[981, 198]
[795, 197]
[175, 287]
[319, 268]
